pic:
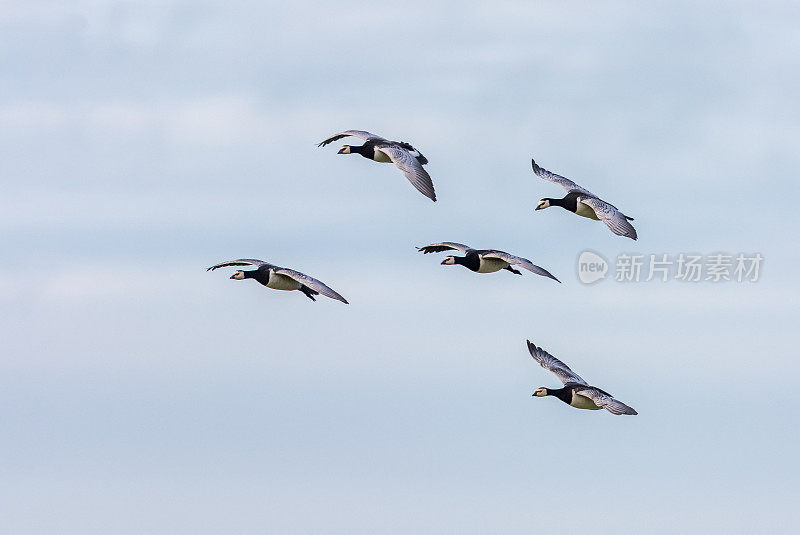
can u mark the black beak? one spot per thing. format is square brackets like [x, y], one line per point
[444, 262]
[232, 276]
[539, 208]
[341, 151]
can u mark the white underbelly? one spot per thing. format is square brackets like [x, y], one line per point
[381, 156]
[282, 282]
[582, 402]
[490, 265]
[586, 211]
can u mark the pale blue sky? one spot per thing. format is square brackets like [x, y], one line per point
[141, 142]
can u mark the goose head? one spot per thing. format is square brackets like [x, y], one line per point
[238, 275]
[544, 203]
[344, 150]
[449, 260]
[540, 392]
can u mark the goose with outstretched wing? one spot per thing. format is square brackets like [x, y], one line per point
[576, 392]
[584, 203]
[405, 157]
[279, 278]
[484, 260]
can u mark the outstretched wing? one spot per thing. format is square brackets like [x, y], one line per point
[519, 261]
[414, 152]
[564, 182]
[241, 262]
[605, 401]
[311, 282]
[444, 246]
[613, 218]
[552, 364]
[411, 168]
[357, 133]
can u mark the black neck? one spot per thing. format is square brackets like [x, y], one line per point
[564, 394]
[568, 203]
[365, 150]
[471, 262]
[261, 275]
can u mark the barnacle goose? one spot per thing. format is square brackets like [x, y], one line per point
[484, 260]
[408, 159]
[584, 203]
[279, 278]
[575, 392]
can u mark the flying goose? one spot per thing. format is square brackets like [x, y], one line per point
[584, 203]
[279, 278]
[483, 260]
[575, 391]
[408, 159]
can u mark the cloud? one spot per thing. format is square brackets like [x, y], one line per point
[205, 121]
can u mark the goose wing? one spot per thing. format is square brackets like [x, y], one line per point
[603, 400]
[564, 182]
[444, 246]
[613, 218]
[411, 168]
[552, 364]
[414, 152]
[241, 262]
[519, 261]
[311, 282]
[357, 133]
